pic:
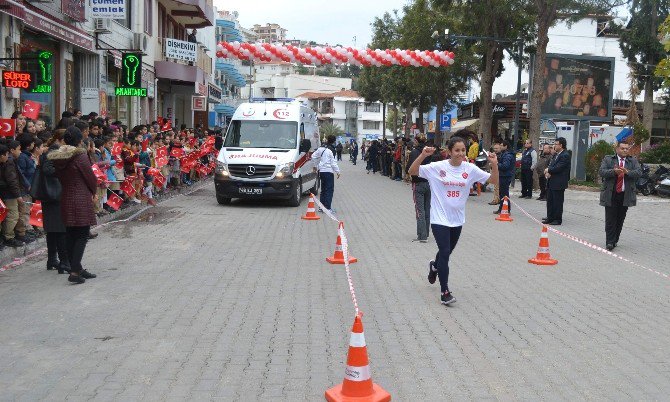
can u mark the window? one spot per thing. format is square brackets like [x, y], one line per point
[126, 21]
[371, 125]
[148, 17]
[372, 107]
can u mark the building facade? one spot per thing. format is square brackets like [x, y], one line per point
[87, 44]
[269, 33]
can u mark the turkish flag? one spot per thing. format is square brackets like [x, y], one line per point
[202, 170]
[99, 175]
[153, 172]
[127, 187]
[114, 201]
[161, 152]
[177, 152]
[210, 140]
[167, 125]
[192, 142]
[7, 127]
[3, 211]
[159, 120]
[162, 161]
[145, 145]
[31, 109]
[36, 215]
[159, 180]
[117, 149]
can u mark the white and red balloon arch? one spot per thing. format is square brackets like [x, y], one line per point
[266, 52]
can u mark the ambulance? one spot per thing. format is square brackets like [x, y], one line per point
[267, 151]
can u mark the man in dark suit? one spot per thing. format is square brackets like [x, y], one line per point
[619, 173]
[558, 175]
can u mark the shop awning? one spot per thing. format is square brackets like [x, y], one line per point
[190, 13]
[43, 22]
[461, 124]
[224, 109]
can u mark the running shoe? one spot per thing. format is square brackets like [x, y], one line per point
[432, 272]
[447, 298]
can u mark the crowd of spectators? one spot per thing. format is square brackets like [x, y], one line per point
[129, 166]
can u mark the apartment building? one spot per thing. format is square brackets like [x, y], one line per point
[269, 33]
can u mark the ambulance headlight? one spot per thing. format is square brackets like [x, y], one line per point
[285, 170]
[222, 169]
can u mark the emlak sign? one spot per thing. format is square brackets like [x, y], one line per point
[114, 9]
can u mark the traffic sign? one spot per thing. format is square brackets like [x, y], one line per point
[445, 122]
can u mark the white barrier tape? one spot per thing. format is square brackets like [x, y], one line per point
[20, 261]
[357, 340]
[324, 209]
[357, 374]
[591, 245]
[345, 251]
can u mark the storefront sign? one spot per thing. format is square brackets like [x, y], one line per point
[75, 9]
[17, 79]
[200, 89]
[103, 104]
[41, 21]
[114, 9]
[89, 93]
[199, 103]
[69, 84]
[215, 94]
[499, 110]
[131, 76]
[44, 74]
[180, 50]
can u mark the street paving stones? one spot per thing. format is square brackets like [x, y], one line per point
[196, 301]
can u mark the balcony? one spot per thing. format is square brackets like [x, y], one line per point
[191, 13]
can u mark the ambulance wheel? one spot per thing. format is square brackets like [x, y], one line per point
[294, 201]
[223, 200]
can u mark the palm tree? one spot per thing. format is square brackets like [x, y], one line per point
[330, 129]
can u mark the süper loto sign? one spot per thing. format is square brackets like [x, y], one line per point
[180, 50]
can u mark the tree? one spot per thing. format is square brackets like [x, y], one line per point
[330, 129]
[499, 20]
[547, 13]
[394, 120]
[640, 45]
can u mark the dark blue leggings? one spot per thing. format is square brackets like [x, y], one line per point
[446, 238]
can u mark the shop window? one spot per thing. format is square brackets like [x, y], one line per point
[129, 11]
[32, 45]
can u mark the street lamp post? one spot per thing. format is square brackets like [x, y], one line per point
[519, 43]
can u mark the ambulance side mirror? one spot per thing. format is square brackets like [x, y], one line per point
[305, 146]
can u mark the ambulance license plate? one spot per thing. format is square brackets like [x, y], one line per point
[251, 191]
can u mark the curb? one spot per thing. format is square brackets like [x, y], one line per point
[9, 255]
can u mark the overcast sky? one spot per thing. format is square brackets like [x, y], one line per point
[330, 21]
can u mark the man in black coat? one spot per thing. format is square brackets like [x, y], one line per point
[619, 173]
[558, 175]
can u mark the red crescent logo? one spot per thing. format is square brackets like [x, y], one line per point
[443, 173]
[465, 175]
[248, 113]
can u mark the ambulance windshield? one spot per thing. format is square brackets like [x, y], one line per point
[262, 134]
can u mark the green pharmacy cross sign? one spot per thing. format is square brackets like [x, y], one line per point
[131, 76]
[44, 76]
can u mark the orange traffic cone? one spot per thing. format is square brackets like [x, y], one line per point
[357, 384]
[338, 257]
[504, 212]
[543, 257]
[311, 210]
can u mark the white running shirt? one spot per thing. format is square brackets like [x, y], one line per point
[450, 188]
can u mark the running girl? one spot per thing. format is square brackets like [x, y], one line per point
[450, 181]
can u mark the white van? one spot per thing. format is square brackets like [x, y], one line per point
[267, 152]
